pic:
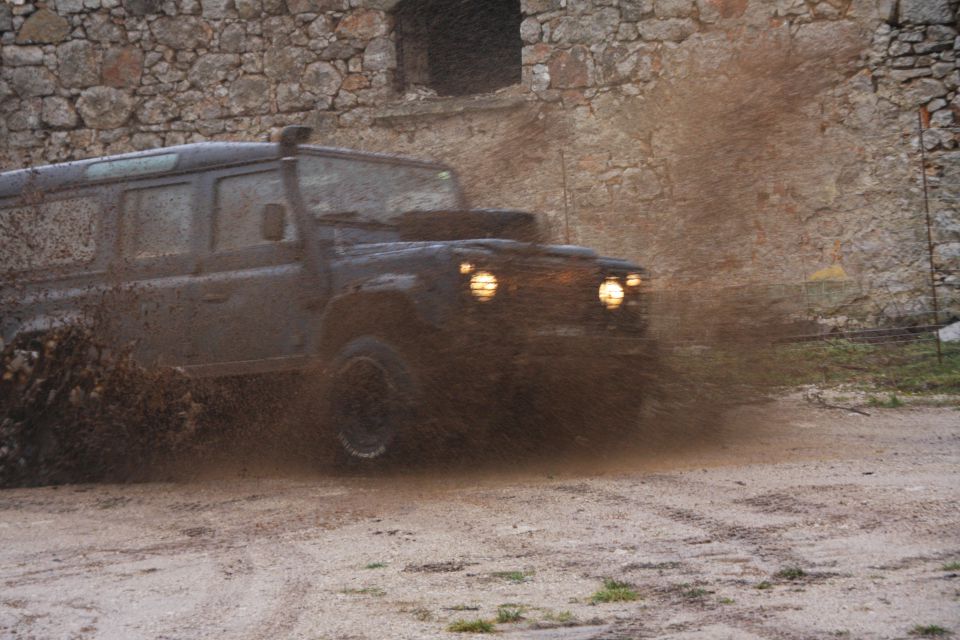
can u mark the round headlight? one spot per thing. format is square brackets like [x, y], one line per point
[611, 293]
[483, 285]
[633, 280]
[466, 267]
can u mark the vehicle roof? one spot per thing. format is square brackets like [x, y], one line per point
[190, 157]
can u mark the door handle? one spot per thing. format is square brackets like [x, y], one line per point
[214, 298]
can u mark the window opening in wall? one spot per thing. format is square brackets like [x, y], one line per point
[458, 47]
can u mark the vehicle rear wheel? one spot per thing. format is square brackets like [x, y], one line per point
[371, 401]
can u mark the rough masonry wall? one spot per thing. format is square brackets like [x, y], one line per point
[746, 143]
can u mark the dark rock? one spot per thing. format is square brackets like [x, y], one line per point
[142, 7]
[43, 27]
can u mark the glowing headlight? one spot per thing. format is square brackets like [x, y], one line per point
[483, 285]
[633, 280]
[466, 267]
[611, 293]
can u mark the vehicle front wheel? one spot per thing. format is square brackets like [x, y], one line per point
[371, 401]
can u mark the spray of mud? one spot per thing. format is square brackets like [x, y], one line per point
[73, 412]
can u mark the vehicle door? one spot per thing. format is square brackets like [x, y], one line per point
[250, 308]
[53, 258]
[157, 247]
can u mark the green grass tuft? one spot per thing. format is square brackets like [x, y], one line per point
[695, 593]
[614, 591]
[892, 402]
[562, 617]
[952, 566]
[513, 576]
[507, 615]
[791, 573]
[930, 631]
[764, 585]
[365, 591]
[471, 626]
[376, 565]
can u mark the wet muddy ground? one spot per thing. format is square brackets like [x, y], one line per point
[866, 507]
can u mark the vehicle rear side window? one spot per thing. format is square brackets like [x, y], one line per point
[240, 213]
[50, 234]
[157, 221]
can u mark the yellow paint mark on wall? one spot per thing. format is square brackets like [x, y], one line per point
[833, 272]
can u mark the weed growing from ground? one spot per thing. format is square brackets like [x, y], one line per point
[614, 591]
[513, 576]
[891, 402]
[376, 565]
[764, 585]
[365, 591]
[560, 616]
[930, 631]
[471, 626]
[791, 573]
[694, 593]
[952, 566]
[507, 615]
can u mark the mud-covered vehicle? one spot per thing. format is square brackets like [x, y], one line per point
[414, 317]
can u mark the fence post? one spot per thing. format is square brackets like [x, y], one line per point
[926, 211]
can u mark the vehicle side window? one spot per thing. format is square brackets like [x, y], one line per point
[51, 234]
[157, 221]
[242, 213]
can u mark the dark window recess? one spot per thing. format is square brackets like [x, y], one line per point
[458, 47]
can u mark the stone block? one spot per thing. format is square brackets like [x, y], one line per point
[69, 6]
[78, 64]
[380, 55]
[322, 78]
[30, 82]
[364, 24]
[211, 69]
[571, 69]
[286, 64]
[142, 7]
[673, 8]
[6, 18]
[925, 12]
[181, 32]
[635, 10]
[43, 27]
[15, 56]
[58, 113]
[250, 95]
[157, 110]
[668, 30]
[105, 107]
[122, 67]
[530, 30]
[101, 28]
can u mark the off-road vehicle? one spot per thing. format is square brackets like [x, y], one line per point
[416, 316]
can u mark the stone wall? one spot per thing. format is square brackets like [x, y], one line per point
[751, 143]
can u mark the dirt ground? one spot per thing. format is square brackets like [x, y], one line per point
[866, 506]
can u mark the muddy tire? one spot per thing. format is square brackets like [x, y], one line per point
[371, 403]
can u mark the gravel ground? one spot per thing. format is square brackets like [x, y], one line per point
[865, 506]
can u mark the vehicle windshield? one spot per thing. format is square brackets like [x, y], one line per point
[373, 191]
